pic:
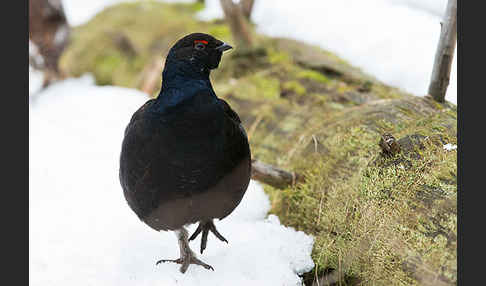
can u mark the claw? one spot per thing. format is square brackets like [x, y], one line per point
[196, 233]
[205, 227]
[213, 229]
[204, 239]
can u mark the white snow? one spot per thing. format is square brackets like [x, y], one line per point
[450, 147]
[35, 76]
[434, 7]
[394, 40]
[35, 80]
[79, 12]
[81, 230]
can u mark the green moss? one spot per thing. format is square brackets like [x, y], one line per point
[278, 57]
[386, 92]
[106, 66]
[294, 86]
[220, 32]
[320, 99]
[365, 217]
[267, 87]
[313, 75]
[343, 88]
[196, 6]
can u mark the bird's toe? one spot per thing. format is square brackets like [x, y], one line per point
[186, 261]
[205, 227]
[179, 261]
[213, 229]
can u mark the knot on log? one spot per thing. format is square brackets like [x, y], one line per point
[389, 145]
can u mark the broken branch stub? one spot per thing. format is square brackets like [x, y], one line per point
[273, 176]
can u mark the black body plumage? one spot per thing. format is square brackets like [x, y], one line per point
[185, 156]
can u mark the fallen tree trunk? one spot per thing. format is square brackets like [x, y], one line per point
[273, 176]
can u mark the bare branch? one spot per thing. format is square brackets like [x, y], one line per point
[238, 24]
[445, 51]
[247, 7]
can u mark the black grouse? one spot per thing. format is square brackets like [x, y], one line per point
[185, 157]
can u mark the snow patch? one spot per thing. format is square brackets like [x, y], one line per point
[434, 7]
[80, 12]
[450, 147]
[81, 230]
[36, 76]
[35, 80]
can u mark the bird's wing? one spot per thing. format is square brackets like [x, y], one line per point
[229, 112]
[137, 115]
[136, 161]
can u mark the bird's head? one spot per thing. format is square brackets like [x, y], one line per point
[199, 49]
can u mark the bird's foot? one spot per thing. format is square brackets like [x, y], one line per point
[205, 227]
[186, 261]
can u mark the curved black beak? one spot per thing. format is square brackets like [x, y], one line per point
[223, 47]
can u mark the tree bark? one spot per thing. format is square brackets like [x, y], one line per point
[238, 23]
[247, 7]
[445, 51]
[49, 31]
[273, 176]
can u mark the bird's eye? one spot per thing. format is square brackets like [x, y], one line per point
[199, 46]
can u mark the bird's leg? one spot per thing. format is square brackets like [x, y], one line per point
[205, 227]
[187, 256]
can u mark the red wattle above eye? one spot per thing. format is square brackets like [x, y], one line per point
[201, 41]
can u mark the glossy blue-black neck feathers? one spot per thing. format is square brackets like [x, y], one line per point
[177, 71]
[182, 79]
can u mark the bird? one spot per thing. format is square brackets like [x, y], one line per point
[185, 155]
